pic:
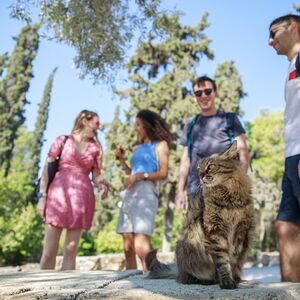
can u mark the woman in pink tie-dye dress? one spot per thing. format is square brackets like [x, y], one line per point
[70, 201]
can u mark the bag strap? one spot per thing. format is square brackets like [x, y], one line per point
[62, 146]
[230, 126]
[189, 135]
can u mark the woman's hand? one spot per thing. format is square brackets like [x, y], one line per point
[41, 206]
[103, 187]
[120, 154]
[132, 179]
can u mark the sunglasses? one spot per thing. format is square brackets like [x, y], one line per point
[273, 33]
[199, 93]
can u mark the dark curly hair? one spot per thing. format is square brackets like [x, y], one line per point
[155, 126]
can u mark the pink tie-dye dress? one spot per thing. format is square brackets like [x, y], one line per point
[70, 199]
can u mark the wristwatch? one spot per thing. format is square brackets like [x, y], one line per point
[146, 176]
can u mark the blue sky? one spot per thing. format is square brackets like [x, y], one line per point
[238, 30]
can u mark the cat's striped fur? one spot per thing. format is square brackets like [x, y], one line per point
[218, 228]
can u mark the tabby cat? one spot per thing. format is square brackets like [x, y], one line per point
[218, 229]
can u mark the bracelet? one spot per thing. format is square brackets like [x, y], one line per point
[103, 182]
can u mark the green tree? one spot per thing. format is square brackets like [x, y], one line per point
[3, 61]
[161, 70]
[266, 140]
[21, 229]
[13, 88]
[230, 87]
[40, 127]
[266, 196]
[99, 31]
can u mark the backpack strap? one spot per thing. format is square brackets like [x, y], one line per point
[189, 135]
[230, 125]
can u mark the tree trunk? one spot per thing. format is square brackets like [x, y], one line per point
[168, 220]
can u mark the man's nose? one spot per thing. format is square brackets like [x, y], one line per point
[270, 41]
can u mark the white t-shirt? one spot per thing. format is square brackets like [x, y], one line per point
[291, 131]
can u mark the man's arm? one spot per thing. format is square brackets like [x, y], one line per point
[243, 151]
[183, 173]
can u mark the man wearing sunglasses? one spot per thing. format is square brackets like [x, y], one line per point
[284, 37]
[204, 135]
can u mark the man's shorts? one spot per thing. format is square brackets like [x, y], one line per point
[289, 209]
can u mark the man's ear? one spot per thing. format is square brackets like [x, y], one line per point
[294, 27]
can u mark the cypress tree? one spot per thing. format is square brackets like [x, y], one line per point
[13, 88]
[40, 127]
[230, 87]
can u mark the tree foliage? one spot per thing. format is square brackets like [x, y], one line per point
[21, 230]
[230, 87]
[13, 88]
[99, 31]
[266, 140]
[161, 71]
[267, 197]
[40, 127]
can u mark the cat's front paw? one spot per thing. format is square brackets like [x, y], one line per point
[227, 283]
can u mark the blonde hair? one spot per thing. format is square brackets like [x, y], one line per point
[79, 125]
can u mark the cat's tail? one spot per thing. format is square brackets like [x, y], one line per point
[159, 270]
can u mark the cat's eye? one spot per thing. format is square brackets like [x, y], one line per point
[209, 167]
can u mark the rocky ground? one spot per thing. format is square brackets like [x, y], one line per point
[27, 282]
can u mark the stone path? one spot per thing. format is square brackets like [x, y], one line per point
[128, 285]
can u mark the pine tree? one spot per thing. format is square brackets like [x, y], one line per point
[161, 71]
[3, 61]
[13, 88]
[40, 127]
[230, 87]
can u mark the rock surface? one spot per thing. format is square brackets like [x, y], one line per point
[91, 281]
[128, 285]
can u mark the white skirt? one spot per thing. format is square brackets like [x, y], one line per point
[139, 208]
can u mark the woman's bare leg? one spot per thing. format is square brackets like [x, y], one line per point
[142, 245]
[70, 249]
[128, 245]
[51, 242]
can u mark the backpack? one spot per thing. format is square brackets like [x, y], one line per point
[230, 130]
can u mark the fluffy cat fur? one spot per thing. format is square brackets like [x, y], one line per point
[218, 229]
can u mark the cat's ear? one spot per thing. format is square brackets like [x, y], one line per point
[231, 152]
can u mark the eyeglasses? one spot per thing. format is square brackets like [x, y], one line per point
[273, 33]
[199, 93]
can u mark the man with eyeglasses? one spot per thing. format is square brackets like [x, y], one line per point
[204, 135]
[285, 39]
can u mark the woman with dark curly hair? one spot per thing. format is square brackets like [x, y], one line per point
[149, 164]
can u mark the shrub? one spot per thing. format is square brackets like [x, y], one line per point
[21, 236]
